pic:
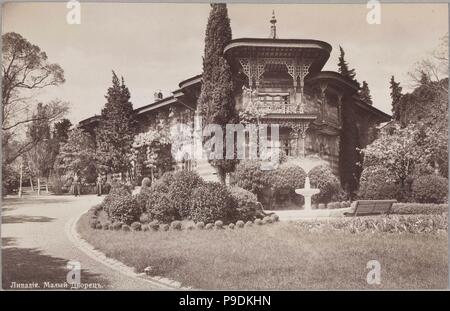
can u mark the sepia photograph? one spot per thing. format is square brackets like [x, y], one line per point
[224, 146]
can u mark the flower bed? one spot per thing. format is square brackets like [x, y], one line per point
[416, 224]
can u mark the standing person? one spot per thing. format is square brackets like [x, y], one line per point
[99, 184]
[76, 185]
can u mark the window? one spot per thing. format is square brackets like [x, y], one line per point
[274, 98]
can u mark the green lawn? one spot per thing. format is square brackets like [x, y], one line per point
[279, 256]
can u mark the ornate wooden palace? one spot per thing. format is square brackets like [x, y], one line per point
[282, 78]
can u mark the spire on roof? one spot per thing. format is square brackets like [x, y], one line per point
[273, 27]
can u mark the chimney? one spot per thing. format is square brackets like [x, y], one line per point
[158, 95]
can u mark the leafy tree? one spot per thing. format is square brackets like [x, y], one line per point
[25, 68]
[77, 154]
[364, 93]
[396, 94]
[343, 67]
[61, 130]
[216, 101]
[116, 130]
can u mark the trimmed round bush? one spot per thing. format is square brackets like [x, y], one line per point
[106, 225]
[267, 219]
[176, 225]
[164, 227]
[274, 217]
[124, 209]
[322, 177]
[126, 228]
[98, 226]
[378, 183]
[209, 226]
[218, 224]
[136, 226]
[117, 225]
[322, 206]
[334, 205]
[249, 224]
[258, 222]
[200, 225]
[212, 201]
[145, 218]
[231, 226]
[180, 190]
[240, 224]
[430, 189]
[93, 222]
[190, 227]
[247, 205]
[145, 228]
[154, 225]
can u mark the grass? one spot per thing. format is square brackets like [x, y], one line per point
[279, 256]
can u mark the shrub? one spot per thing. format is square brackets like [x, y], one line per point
[287, 177]
[125, 228]
[418, 208]
[176, 225]
[190, 227]
[377, 183]
[124, 209]
[322, 206]
[145, 218]
[164, 227]
[106, 225]
[218, 224]
[180, 190]
[258, 222]
[93, 222]
[323, 178]
[154, 225]
[333, 205]
[274, 217]
[161, 208]
[145, 228]
[240, 224]
[117, 225]
[136, 226]
[267, 219]
[247, 205]
[248, 175]
[430, 189]
[249, 223]
[231, 226]
[209, 226]
[212, 201]
[200, 225]
[99, 226]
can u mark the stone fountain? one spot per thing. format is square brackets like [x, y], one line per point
[307, 192]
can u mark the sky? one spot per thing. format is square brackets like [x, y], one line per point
[155, 46]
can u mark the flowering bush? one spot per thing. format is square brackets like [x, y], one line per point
[210, 202]
[430, 189]
[323, 178]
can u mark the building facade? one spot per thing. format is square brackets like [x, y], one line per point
[283, 80]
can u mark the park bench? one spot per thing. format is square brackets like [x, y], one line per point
[370, 207]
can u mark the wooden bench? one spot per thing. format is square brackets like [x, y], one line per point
[370, 207]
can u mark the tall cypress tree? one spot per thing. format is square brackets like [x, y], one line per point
[343, 67]
[364, 93]
[117, 128]
[216, 101]
[396, 95]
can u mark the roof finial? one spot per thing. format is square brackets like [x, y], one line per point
[273, 27]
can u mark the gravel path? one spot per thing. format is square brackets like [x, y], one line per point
[36, 248]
